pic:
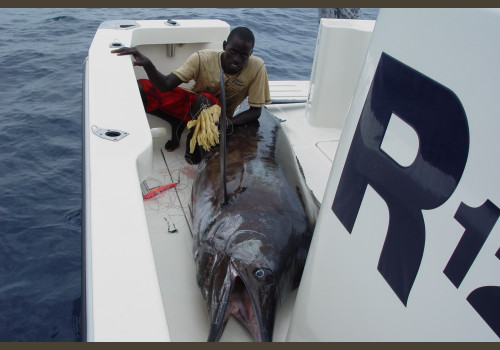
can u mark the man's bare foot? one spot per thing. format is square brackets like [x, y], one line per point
[171, 145]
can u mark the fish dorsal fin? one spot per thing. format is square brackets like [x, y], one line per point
[222, 139]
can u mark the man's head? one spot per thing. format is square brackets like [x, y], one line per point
[237, 49]
[243, 33]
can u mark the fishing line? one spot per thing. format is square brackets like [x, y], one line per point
[162, 201]
[177, 193]
[223, 124]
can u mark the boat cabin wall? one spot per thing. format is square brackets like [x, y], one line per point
[340, 52]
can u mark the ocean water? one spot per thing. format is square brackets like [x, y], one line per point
[42, 54]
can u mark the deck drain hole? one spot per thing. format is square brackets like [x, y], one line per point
[109, 134]
[112, 133]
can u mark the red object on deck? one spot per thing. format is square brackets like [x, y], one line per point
[157, 190]
[176, 102]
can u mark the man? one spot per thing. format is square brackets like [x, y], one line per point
[244, 76]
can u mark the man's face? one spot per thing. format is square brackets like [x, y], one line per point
[237, 51]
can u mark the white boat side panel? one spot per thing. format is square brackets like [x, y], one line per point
[340, 52]
[187, 31]
[400, 141]
[87, 302]
[126, 300]
[127, 305]
[343, 296]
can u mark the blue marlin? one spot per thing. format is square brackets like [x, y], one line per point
[251, 246]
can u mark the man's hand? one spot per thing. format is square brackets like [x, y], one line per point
[162, 82]
[248, 116]
[140, 59]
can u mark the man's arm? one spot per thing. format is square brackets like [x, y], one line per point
[250, 115]
[258, 93]
[162, 82]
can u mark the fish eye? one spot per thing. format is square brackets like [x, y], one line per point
[263, 274]
[259, 273]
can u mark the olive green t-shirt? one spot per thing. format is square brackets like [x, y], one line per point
[204, 68]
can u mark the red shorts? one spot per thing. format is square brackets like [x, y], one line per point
[176, 102]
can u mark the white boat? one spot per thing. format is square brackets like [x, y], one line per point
[398, 140]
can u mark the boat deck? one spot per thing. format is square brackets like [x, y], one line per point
[168, 216]
[169, 223]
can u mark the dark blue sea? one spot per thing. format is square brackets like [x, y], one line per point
[42, 54]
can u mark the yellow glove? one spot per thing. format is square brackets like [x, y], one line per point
[206, 132]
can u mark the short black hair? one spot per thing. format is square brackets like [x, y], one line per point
[243, 33]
